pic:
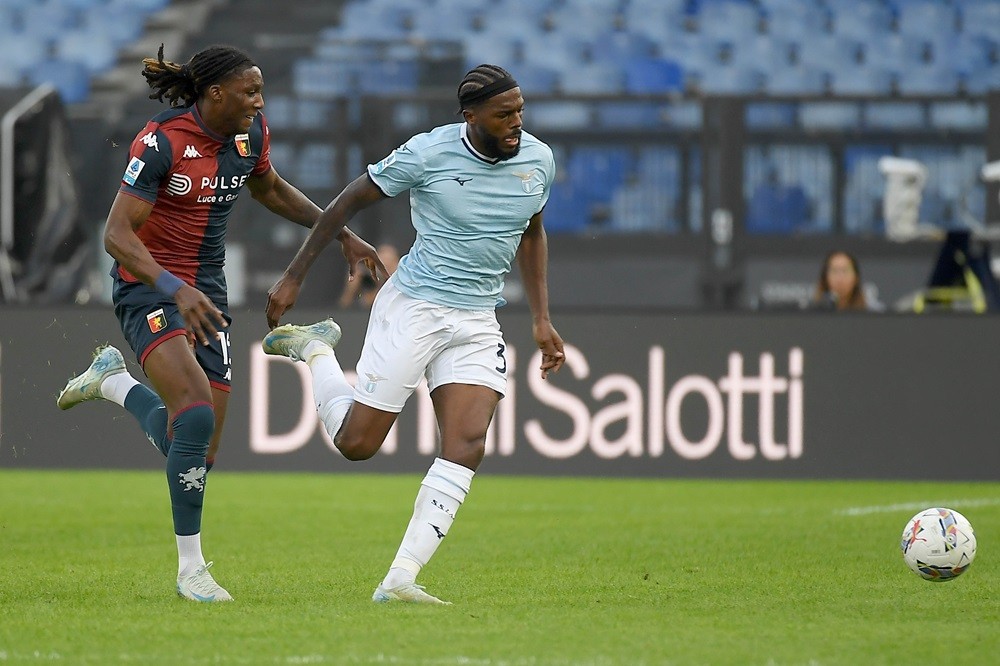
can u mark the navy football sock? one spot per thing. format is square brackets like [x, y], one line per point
[192, 428]
[149, 411]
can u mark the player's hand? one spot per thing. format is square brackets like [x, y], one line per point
[551, 345]
[357, 251]
[201, 318]
[281, 298]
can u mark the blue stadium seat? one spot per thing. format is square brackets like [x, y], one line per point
[387, 77]
[777, 208]
[653, 75]
[894, 115]
[559, 115]
[486, 48]
[560, 50]
[795, 80]
[728, 19]
[866, 20]
[829, 115]
[928, 80]
[920, 18]
[733, 80]
[584, 19]
[861, 81]
[981, 18]
[630, 115]
[19, 51]
[96, 54]
[764, 52]
[791, 19]
[965, 115]
[654, 18]
[70, 78]
[48, 21]
[596, 172]
[592, 79]
[833, 53]
[535, 80]
[566, 211]
[638, 207]
[324, 79]
[118, 24]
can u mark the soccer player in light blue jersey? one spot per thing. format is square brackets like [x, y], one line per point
[477, 190]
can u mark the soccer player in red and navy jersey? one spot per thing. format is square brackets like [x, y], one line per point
[166, 232]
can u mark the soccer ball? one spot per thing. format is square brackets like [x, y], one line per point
[938, 544]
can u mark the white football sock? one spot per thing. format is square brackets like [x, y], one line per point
[116, 387]
[441, 493]
[331, 390]
[189, 555]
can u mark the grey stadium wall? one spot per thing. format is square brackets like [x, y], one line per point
[775, 395]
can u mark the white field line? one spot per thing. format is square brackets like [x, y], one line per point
[956, 504]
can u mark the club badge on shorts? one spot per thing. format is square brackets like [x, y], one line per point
[243, 144]
[157, 320]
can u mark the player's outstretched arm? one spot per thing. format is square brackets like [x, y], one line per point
[360, 194]
[532, 259]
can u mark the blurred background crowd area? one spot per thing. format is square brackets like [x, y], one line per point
[711, 152]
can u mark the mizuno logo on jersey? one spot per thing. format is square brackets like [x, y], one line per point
[150, 140]
[460, 181]
[190, 152]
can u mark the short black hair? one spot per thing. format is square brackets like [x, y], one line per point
[477, 79]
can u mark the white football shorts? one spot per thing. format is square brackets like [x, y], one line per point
[408, 338]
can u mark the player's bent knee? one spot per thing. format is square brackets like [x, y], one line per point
[355, 448]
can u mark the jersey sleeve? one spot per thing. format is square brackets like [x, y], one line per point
[150, 159]
[264, 161]
[400, 170]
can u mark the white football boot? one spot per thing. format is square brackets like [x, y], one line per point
[107, 361]
[290, 339]
[408, 592]
[200, 586]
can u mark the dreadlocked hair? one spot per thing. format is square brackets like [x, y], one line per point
[479, 78]
[183, 84]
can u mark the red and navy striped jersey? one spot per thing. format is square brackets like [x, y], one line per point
[192, 177]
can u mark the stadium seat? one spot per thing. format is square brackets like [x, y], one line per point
[829, 115]
[894, 115]
[70, 78]
[559, 115]
[566, 211]
[96, 54]
[588, 19]
[48, 21]
[535, 80]
[795, 80]
[920, 18]
[20, 51]
[866, 20]
[861, 81]
[966, 115]
[640, 207]
[592, 79]
[728, 19]
[324, 79]
[981, 18]
[653, 75]
[928, 80]
[630, 115]
[596, 172]
[731, 80]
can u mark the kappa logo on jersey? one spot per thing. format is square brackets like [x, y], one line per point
[133, 170]
[190, 152]
[157, 320]
[150, 140]
[526, 179]
[243, 144]
[179, 185]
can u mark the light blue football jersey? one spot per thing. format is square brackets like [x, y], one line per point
[469, 211]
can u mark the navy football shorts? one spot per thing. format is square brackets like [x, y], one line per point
[148, 318]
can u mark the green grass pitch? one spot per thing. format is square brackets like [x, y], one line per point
[541, 571]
